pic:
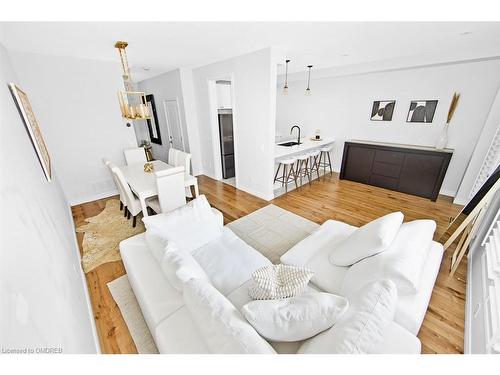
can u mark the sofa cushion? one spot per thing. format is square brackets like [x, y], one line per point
[412, 308]
[362, 327]
[296, 318]
[278, 281]
[370, 239]
[221, 325]
[313, 252]
[228, 261]
[189, 226]
[403, 262]
[178, 335]
[179, 267]
[157, 298]
[157, 245]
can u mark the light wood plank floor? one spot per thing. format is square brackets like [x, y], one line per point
[330, 198]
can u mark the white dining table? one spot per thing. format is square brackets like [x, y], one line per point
[143, 184]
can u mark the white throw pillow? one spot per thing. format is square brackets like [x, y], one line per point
[403, 262]
[296, 318]
[179, 267]
[229, 261]
[189, 226]
[362, 327]
[279, 281]
[368, 240]
[221, 325]
[313, 252]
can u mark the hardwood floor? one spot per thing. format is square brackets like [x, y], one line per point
[330, 198]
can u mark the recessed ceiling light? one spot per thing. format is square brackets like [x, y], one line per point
[146, 68]
[466, 33]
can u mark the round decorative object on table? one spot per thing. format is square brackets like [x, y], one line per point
[149, 167]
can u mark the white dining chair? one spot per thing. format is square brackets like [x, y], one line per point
[133, 203]
[171, 190]
[135, 155]
[178, 158]
[123, 203]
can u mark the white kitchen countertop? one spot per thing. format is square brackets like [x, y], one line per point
[306, 145]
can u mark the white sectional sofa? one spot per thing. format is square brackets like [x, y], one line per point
[229, 263]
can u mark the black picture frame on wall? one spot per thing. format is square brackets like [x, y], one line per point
[382, 110]
[153, 124]
[422, 111]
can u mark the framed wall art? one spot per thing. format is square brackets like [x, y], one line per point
[153, 125]
[383, 110]
[26, 112]
[422, 111]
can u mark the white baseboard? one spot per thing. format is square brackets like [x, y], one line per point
[448, 193]
[93, 197]
[258, 194]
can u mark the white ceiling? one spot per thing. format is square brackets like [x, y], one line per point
[164, 46]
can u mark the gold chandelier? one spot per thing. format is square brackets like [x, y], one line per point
[132, 102]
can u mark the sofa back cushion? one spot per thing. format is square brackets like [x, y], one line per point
[297, 318]
[221, 325]
[189, 227]
[403, 262]
[362, 327]
[370, 239]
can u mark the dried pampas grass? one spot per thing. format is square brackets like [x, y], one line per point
[453, 106]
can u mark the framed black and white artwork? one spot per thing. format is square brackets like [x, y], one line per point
[153, 125]
[421, 111]
[382, 110]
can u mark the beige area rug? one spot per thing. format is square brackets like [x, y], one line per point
[125, 299]
[103, 233]
[270, 230]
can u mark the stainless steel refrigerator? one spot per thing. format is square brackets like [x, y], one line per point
[226, 142]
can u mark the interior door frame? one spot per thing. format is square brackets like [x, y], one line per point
[169, 141]
[214, 125]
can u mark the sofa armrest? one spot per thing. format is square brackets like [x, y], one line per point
[218, 215]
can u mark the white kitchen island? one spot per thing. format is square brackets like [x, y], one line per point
[285, 152]
[281, 152]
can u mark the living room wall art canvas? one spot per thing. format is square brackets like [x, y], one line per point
[26, 111]
[422, 111]
[383, 110]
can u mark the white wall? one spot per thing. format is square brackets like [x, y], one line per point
[254, 101]
[43, 294]
[163, 87]
[341, 108]
[191, 116]
[77, 106]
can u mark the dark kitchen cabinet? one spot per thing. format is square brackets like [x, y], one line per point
[409, 169]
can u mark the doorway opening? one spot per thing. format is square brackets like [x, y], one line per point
[175, 137]
[221, 91]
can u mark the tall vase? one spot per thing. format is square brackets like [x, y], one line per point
[443, 138]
